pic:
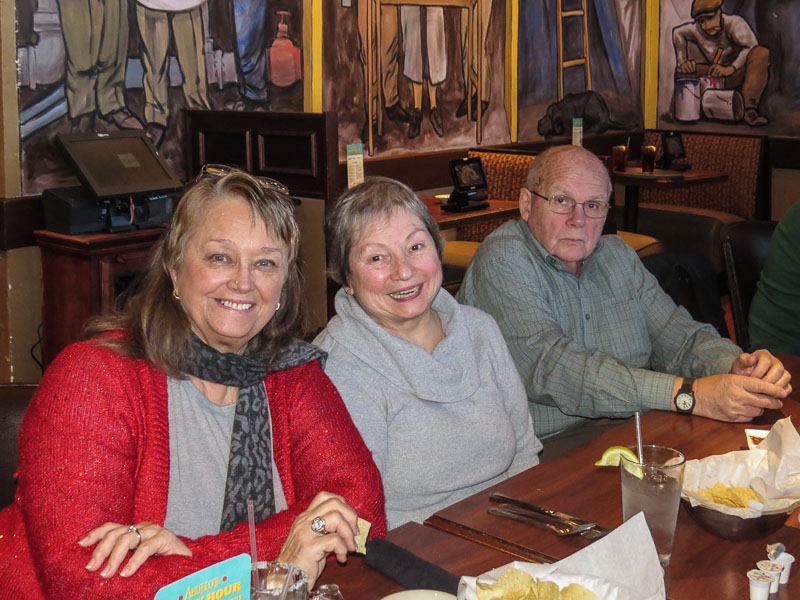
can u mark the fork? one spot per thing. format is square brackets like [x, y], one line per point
[559, 528]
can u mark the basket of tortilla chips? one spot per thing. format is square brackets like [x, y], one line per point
[746, 494]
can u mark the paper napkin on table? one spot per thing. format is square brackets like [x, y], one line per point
[623, 565]
[772, 469]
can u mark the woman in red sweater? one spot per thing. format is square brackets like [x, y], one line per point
[143, 445]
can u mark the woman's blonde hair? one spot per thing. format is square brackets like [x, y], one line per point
[159, 329]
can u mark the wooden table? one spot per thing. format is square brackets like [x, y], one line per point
[357, 581]
[632, 184]
[498, 209]
[703, 565]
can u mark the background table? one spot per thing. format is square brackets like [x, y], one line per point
[703, 565]
[498, 209]
[633, 183]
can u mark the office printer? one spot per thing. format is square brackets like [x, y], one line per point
[126, 185]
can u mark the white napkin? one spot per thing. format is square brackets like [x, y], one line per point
[772, 469]
[623, 565]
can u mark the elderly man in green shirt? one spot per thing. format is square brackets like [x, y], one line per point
[591, 332]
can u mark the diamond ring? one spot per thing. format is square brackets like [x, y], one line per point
[318, 526]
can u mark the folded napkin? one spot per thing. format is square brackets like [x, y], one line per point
[408, 569]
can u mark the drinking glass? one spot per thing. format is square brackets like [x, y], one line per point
[619, 156]
[648, 155]
[654, 488]
[268, 577]
[328, 591]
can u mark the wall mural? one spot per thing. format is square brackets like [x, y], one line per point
[601, 86]
[729, 66]
[419, 66]
[135, 65]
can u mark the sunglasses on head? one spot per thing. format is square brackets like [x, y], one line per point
[216, 170]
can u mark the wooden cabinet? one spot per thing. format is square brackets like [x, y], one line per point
[82, 275]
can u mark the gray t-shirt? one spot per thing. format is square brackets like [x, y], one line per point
[199, 449]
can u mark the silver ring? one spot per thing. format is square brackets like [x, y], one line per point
[134, 529]
[318, 526]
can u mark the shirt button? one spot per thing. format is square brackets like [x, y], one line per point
[587, 317]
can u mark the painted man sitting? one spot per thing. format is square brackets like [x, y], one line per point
[729, 49]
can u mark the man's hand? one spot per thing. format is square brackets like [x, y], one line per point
[762, 365]
[736, 398]
[688, 67]
[720, 71]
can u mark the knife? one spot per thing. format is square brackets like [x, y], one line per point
[533, 518]
[594, 533]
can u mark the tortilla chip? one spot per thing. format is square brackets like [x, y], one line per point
[546, 590]
[575, 591]
[512, 584]
[361, 538]
[735, 497]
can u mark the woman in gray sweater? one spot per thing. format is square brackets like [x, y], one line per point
[429, 383]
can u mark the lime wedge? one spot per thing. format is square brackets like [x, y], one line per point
[613, 455]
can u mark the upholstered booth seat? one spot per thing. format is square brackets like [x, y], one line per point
[687, 230]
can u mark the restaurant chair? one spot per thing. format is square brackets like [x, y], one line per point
[745, 249]
[14, 399]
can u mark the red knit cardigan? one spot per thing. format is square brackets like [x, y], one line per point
[94, 447]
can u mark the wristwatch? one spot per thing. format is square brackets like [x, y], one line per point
[684, 399]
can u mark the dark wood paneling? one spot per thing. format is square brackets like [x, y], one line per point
[18, 218]
[784, 152]
[297, 149]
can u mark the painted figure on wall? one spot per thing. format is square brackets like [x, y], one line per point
[425, 61]
[96, 44]
[156, 19]
[729, 66]
[429, 46]
[389, 58]
[93, 70]
[728, 50]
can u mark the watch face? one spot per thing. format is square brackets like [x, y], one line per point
[684, 401]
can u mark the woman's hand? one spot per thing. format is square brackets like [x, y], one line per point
[309, 549]
[114, 541]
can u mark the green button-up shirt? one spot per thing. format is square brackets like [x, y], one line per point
[605, 344]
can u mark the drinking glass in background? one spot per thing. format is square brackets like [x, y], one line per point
[328, 591]
[648, 159]
[654, 488]
[619, 155]
[268, 577]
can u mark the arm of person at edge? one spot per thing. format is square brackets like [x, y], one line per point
[603, 386]
[82, 448]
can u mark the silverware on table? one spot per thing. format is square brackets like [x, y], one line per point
[593, 532]
[539, 520]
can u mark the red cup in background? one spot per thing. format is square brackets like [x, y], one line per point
[619, 156]
[648, 159]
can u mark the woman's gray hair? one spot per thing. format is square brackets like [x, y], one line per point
[357, 207]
